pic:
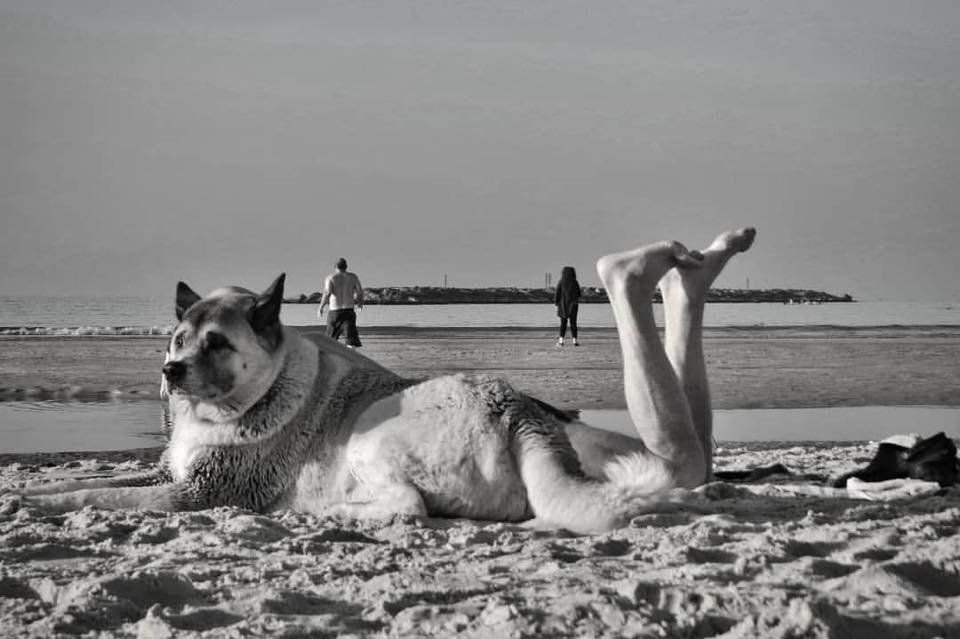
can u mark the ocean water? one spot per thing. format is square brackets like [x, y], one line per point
[144, 316]
[29, 427]
[62, 426]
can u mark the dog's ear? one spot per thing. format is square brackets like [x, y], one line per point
[185, 299]
[266, 312]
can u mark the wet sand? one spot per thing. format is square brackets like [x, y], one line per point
[739, 560]
[749, 368]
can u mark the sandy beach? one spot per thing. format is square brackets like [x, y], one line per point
[740, 561]
[794, 164]
[781, 557]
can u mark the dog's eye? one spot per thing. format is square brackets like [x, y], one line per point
[178, 340]
[217, 340]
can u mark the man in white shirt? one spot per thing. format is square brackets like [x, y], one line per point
[343, 291]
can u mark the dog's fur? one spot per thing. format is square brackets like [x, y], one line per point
[264, 418]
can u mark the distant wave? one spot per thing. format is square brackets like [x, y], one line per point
[48, 331]
[797, 330]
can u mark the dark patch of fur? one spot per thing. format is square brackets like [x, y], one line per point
[270, 337]
[565, 416]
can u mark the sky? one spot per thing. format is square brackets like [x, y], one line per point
[142, 143]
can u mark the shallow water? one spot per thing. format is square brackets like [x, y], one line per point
[51, 426]
[54, 426]
[846, 423]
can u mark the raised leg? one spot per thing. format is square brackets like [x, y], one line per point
[655, 400]
[684, 294]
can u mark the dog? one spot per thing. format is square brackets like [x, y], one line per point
[264, 418]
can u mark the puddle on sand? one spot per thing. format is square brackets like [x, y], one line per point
[60, 426]
[54, 426]
[845, 423]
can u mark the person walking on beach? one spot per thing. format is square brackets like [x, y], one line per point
[343, 291]
[567, 299]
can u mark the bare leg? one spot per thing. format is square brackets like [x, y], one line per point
[684, 293]
[655, 400]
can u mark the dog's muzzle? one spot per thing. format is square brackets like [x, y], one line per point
[174, 371]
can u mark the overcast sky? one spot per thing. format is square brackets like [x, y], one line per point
[223, 142]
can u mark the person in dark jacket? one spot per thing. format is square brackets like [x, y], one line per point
[567, 299]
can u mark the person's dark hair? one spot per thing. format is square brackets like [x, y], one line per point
[568, 274]
[342, 264]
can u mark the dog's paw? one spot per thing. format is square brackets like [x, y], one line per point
[10, 503]
[42, 504]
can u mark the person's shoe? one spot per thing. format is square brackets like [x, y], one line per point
[575, 342]
[559, 342]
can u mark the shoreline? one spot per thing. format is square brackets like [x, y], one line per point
[752, 367]
[87, 331]
[755, 367]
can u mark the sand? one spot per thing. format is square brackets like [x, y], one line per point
[735, 563]
[738, 560]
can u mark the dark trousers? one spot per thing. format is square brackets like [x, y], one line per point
[573, 323]
[340, 319]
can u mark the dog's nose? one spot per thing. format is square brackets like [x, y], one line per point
[174, 371]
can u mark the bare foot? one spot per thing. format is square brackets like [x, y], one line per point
[695, 283]
[637, 272]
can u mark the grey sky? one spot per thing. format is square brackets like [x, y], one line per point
[223, 142]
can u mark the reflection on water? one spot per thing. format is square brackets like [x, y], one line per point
[53, 426]
[848, 423]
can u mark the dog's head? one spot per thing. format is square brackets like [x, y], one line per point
[227, 348]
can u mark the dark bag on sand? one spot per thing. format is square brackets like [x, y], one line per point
[930, 459]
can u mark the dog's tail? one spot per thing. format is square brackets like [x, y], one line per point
[560, 494]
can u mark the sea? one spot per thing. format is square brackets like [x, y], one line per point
[76, 315]
[54, 426]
